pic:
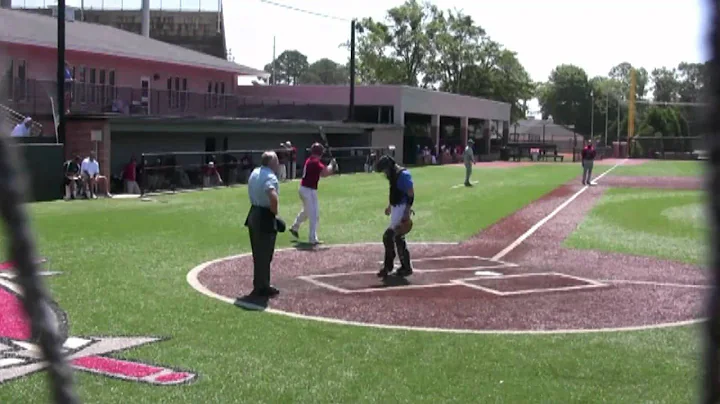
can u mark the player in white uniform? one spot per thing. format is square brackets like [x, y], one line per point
[313, 170]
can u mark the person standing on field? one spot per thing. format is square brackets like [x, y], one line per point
[399, 208]
[313, 170]
[469, 160]
[588, 161]
[263, 223]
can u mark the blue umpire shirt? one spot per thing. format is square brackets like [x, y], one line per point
[261, 180]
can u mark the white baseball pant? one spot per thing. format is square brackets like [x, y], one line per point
[310, 210]
[396, 215]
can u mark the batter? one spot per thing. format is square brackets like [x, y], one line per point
[401, 198]
[313, 170]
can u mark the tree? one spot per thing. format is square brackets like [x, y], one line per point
[566, 96]
[325, 71]
[396, 51]
[621, 73]
[501, 79]
[456, 43]
[289, 67]
[692, 78]
[666, 87]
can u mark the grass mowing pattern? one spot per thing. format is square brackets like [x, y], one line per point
[125, 262]
[662, 169]
[656, 223]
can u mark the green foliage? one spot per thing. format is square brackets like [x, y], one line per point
[288, 67]
[566, 97]
[396, 51]
[325, 71]
[418, 44]
[621, 74]
[637, 150]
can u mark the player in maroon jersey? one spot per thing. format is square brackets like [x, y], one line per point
[313, 170]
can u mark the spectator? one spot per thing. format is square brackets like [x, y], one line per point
[90, 169]
[231, 168]
[72, 177]
[212, 176]
[292, 160]
[282, 159]
[23, 128]
[130, 177]
[90, 172]
[370, 162]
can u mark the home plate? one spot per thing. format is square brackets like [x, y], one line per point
[487, 273]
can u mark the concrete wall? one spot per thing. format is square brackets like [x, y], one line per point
[404, 99]
[326, 95]
[390, 136]
[428, 102]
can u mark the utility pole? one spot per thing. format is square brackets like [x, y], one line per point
[272, 70]
[607, 111]
[592, 114]
[351, 105]
[61, 71]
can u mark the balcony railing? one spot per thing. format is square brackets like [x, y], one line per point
[32, 98]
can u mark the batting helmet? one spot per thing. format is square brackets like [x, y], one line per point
[317, 149]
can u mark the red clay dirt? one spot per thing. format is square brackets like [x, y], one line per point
[587, 290]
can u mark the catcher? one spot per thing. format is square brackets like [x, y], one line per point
[402, 196]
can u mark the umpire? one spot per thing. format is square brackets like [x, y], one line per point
[262, 222]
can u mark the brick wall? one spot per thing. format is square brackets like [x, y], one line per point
[78, 141]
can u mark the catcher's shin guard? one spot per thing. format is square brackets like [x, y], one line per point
[404, 254]
[388, 243]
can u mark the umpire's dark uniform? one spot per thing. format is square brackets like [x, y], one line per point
[263, 226]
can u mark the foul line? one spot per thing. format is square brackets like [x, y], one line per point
[552, 214]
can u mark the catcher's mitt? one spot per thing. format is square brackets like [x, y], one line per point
[405, 226]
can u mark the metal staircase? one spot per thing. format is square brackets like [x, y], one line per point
[9, 118]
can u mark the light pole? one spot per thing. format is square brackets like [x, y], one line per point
[592, 114]
[607, 111]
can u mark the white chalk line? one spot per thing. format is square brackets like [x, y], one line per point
[194, 282]
[661, 284]
[466, 282]
[505, 251]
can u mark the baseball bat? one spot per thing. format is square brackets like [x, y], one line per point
[324, 138]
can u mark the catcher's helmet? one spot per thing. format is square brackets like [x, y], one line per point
[317, 149]
[385, 163]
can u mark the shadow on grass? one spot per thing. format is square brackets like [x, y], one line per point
[305, 246]
[252, 303]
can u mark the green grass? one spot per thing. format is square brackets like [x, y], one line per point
[662, 169]
[647, 222]
[125, 262]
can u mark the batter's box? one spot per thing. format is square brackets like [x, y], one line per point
[524, 284]
[454, 262]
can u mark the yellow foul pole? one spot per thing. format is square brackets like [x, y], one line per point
[631, 104]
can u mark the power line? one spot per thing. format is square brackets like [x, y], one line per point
[300, 10]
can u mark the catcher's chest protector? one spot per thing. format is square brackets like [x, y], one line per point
[396, 194]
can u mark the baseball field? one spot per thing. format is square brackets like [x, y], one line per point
[528, 287]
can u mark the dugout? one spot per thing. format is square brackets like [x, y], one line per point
[116, 138]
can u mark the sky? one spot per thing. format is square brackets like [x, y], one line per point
[593, 34]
